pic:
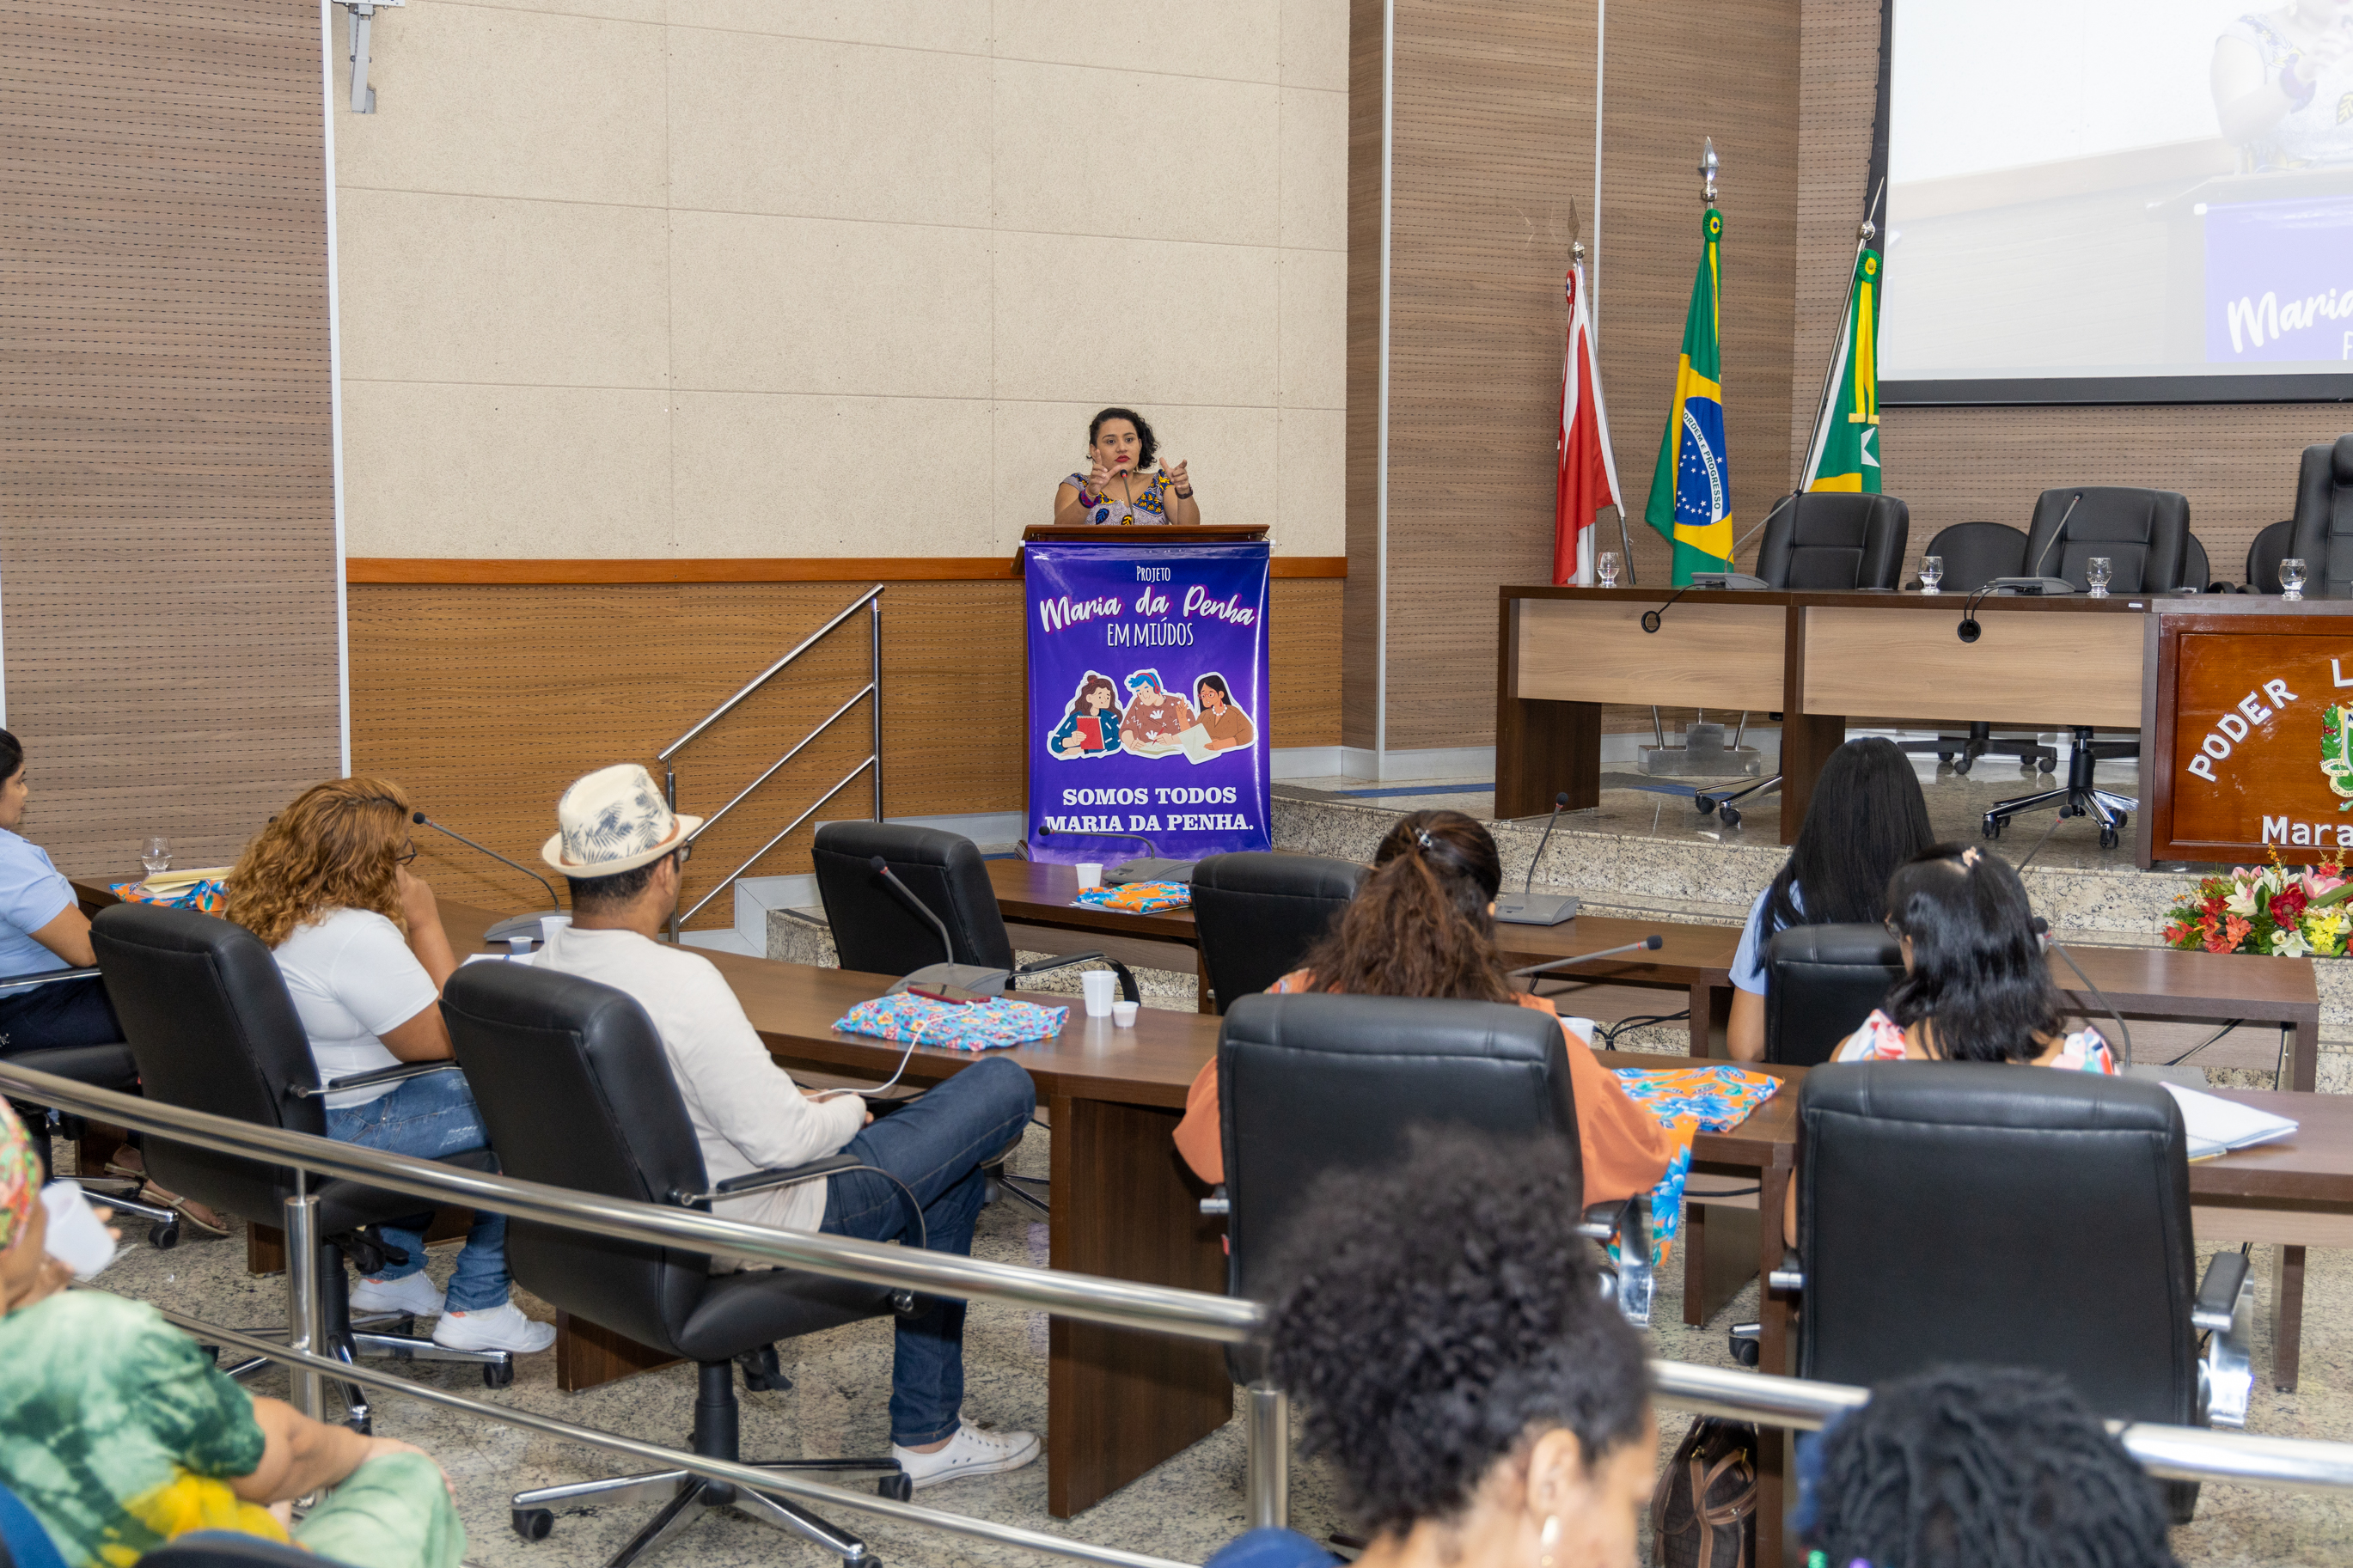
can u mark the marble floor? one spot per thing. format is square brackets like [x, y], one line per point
[1184, 1510]
[1638, 806]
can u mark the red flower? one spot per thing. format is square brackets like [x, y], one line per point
[2212, 904]
[2289, 902]
[2227, 939]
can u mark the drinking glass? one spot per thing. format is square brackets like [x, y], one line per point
[156, 854]
[2096, 572]
[2292, 577]
[1931, 572]
[1605, 567]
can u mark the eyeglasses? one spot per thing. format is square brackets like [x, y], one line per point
[406, 856]
[685, 852]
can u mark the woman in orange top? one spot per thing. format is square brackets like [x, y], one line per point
[1423, 925]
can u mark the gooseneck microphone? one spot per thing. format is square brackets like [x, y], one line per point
[555, 903]
[948, 980]
[1149, 847]
[1969, 630]
[1650, 944]
[1650, 618]
[2042, 928]
[1529, 907]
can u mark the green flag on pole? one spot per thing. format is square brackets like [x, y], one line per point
[1691, 489]
[1845, 455]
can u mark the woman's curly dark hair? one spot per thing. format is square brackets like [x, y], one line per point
[1147, 445]
[1445, 1314]
[1960, 1467]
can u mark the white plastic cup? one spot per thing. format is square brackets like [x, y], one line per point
[75, 1238]
[1090, 875]
[549, 925]
[1123, 1012]
[1100, 985]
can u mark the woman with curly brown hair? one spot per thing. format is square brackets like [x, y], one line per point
[359, 942]
[1424, 925]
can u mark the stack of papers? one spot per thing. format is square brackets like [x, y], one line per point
[2217, 1126]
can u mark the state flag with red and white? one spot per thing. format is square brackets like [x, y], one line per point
[1588, 474]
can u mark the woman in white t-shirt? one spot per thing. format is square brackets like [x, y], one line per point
[360, 945]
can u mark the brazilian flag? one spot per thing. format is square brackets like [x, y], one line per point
[1845, 455]
[1691, 490]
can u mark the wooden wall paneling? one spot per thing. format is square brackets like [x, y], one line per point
[1673, 78]
[166, 484]
[486, 701]
[1493, 149]
[1360, 612]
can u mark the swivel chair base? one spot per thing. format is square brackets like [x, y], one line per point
[687, 1497]
[1963, 750]
[1720, 802]
[2081, 796]
[349, 1344]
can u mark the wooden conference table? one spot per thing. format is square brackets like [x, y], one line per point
[2161, 983]
[1818, 659]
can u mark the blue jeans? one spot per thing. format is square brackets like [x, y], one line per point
[433, 1117]
[62, 1012]
[935, 1146]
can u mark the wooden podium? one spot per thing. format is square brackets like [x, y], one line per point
[1145, 535]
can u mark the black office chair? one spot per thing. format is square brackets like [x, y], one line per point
[874, 929]
[1821, 982]
[2144, 535]
[576, 1092]
[2264, 554]
[1317, 1083]
[1259, 913]
[213, 1029]
[2197, 574]
[1974, 554]
[1827, 542]
[2016, 1216]
[109, 1066]
[2323, 534]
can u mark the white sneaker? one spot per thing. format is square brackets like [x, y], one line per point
[971, 1452]
[410, 1296]
[500, 1328]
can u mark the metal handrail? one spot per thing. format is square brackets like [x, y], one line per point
[1119, 1303]
[762, 678]
[2180, 1453]
[872, 693]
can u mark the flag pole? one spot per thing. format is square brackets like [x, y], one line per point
[1625, 543]
[1864, 233]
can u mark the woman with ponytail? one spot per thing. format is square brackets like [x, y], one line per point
[1423, 925]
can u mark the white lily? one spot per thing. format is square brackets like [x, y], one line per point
[2288, 942]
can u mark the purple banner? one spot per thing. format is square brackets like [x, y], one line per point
[1147, 699]
[2279, 280]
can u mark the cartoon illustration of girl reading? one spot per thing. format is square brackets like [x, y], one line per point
[1089, 726]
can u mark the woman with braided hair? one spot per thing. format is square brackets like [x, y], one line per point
[1962, 1466]
[1424, 925]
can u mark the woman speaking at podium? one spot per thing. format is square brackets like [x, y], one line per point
[1113, 491]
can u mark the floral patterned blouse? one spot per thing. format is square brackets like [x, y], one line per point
[1881, 1039]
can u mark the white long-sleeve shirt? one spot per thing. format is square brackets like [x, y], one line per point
[748, 1114]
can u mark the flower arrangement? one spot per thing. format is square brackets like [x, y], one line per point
[2270, 910]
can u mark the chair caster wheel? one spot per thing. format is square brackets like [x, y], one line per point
[533, 1524]
[2107, 839]
[165, 1234]
[899, 1486]
[1729, 815]
[497, 1375]
[1963, 764]
[1992, 827]
[1705, 804]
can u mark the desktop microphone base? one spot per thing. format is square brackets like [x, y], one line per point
[1535, 909]
[955, 981]
[1147, 869]
[514, 926]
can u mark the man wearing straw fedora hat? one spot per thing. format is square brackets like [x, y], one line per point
[621, 847]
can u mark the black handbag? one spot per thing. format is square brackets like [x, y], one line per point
[1703, 1511]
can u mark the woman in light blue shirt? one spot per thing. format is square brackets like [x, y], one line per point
[1867, 817]
[42, 928]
